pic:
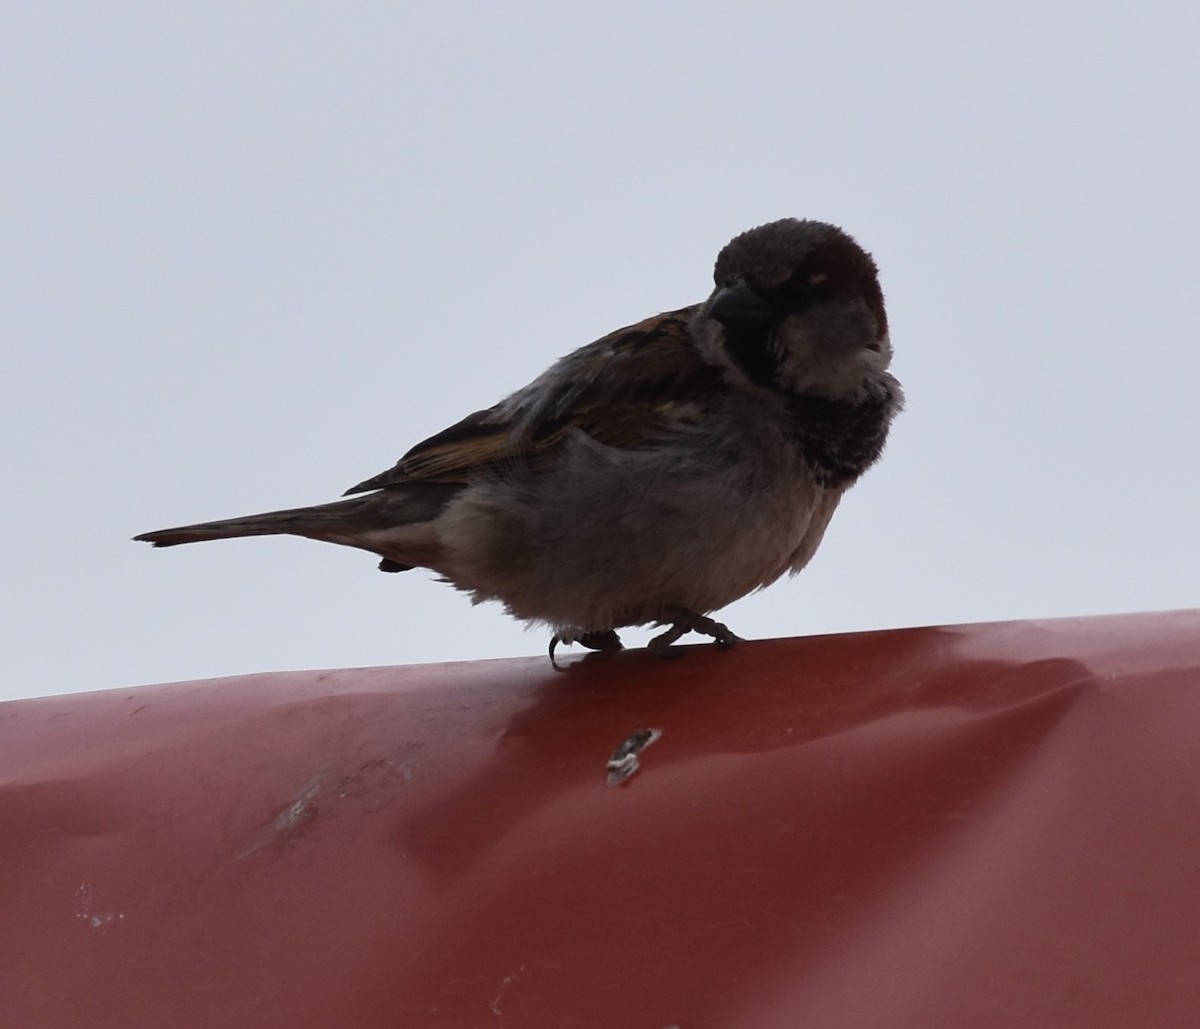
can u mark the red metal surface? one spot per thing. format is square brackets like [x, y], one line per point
[979, 826]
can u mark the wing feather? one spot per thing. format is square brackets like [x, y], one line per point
[623, 390]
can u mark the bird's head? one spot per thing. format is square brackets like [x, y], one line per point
[797, 309]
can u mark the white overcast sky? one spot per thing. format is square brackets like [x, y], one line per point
[252, 252]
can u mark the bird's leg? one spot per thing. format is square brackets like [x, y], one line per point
[605, 640]
[683, 621]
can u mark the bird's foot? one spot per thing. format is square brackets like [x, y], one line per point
[684, 621]
[604, 640]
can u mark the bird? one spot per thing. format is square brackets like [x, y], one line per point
[654, 475]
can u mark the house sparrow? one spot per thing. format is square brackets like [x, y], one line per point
[655, 475]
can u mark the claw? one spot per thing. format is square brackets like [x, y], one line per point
[684, 621]
[660, 646]
[604, 640]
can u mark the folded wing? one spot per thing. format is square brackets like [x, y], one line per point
[623, 390]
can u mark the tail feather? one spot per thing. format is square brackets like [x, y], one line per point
[298, 521]
[338, 522]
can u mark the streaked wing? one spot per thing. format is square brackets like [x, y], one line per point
[622, 390]
[481, 440]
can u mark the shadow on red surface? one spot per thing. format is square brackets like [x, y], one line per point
[992, 825]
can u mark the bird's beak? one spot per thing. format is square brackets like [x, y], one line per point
[740, 306]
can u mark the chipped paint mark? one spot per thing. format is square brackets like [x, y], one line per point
[87, 913]
[624, 761]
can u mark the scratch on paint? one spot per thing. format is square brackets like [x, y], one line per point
[292, 820]
[299, 810]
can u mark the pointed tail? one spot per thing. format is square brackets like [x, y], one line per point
[340, 522]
